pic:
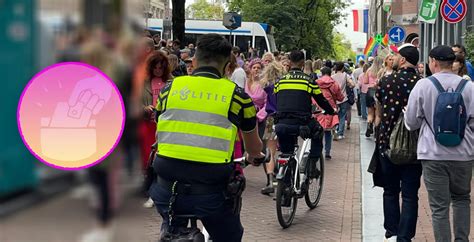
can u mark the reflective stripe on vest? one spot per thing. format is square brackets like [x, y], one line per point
[300, 85]
[195, 124]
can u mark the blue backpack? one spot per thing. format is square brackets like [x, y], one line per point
[449, 117]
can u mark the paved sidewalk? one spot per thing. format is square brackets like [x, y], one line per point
[337, 218]
[373, 201]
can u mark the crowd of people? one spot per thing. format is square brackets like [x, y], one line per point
[381, 88]
[402, 94]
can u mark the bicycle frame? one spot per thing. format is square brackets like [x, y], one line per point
[298, 155]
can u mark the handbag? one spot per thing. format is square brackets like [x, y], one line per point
[403, 144]
[350, 94]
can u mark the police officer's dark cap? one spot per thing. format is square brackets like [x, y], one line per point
[443, 53]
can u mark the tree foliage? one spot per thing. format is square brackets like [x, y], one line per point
[201, 9]
[469, 39]
[342, 48]
[298, 24]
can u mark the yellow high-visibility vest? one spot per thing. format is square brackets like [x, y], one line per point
[194, 125]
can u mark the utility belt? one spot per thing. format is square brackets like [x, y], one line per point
[190, 189]
[301, 118]
[232, 190]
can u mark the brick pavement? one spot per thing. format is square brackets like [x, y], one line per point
[337, 218]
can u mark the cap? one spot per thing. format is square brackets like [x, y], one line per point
[185, 50]
[442, 53]
[188, 60]
[409, 51]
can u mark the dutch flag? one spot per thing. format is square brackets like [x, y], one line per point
[361, 20]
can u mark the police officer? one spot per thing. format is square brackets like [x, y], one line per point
[294, 108]
[199, 116]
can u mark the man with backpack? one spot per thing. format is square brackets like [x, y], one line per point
[442, 107]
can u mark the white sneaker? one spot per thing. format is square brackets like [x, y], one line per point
[149, 203]
[97, 235]
[391, 239]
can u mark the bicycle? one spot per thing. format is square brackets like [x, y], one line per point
[298, 178]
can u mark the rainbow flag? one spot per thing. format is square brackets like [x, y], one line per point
[369, 46]
[385, 40]
[375, 50]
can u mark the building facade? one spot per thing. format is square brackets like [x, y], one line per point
[155, 8]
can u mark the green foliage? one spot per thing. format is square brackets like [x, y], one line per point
[342, 48]
[298, 24]
[201, 9]
[469, 43]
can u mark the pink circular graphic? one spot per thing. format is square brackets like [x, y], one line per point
[71, 116]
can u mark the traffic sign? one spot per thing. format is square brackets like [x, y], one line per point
[453, 11]
[359, 58]
[429, 11]
[232, 20]
[396, 34]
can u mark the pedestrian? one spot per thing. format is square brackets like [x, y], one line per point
[185, 54]
[285, 62]
[189, 66]
[364, 88]
[175, 68]
[103, 176]
[254, 89]
[447, 170]
[192, 50]
[357, 72]
[461, 50]
[350, 92]
[271, 73]
[277, 55]
[176, 46]
[236, 52]
[158, 74]
[193, 169]
[421, 69]
[345, 81]
[392, 93]
[157, 39]
[308, 68]
[459, 67]
[333, 93]
[317, 65]
[238, 76]
[371, 80]
[387, 67]
[267, 58]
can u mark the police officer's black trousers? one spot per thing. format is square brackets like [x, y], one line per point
[214, 211]
[288, 136]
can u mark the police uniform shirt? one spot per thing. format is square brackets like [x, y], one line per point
[244, 117]
[294, 92]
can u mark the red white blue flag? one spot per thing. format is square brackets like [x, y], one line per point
[361, 20]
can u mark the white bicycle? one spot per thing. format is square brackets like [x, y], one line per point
[298, 178]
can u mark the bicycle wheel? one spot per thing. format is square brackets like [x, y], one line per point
[286, 200]
[315, 187]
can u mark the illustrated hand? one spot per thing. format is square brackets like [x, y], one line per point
[99, 95]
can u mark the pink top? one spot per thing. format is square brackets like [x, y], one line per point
[156, 85]
[372, 80]
[259, 98]
[364, 88]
